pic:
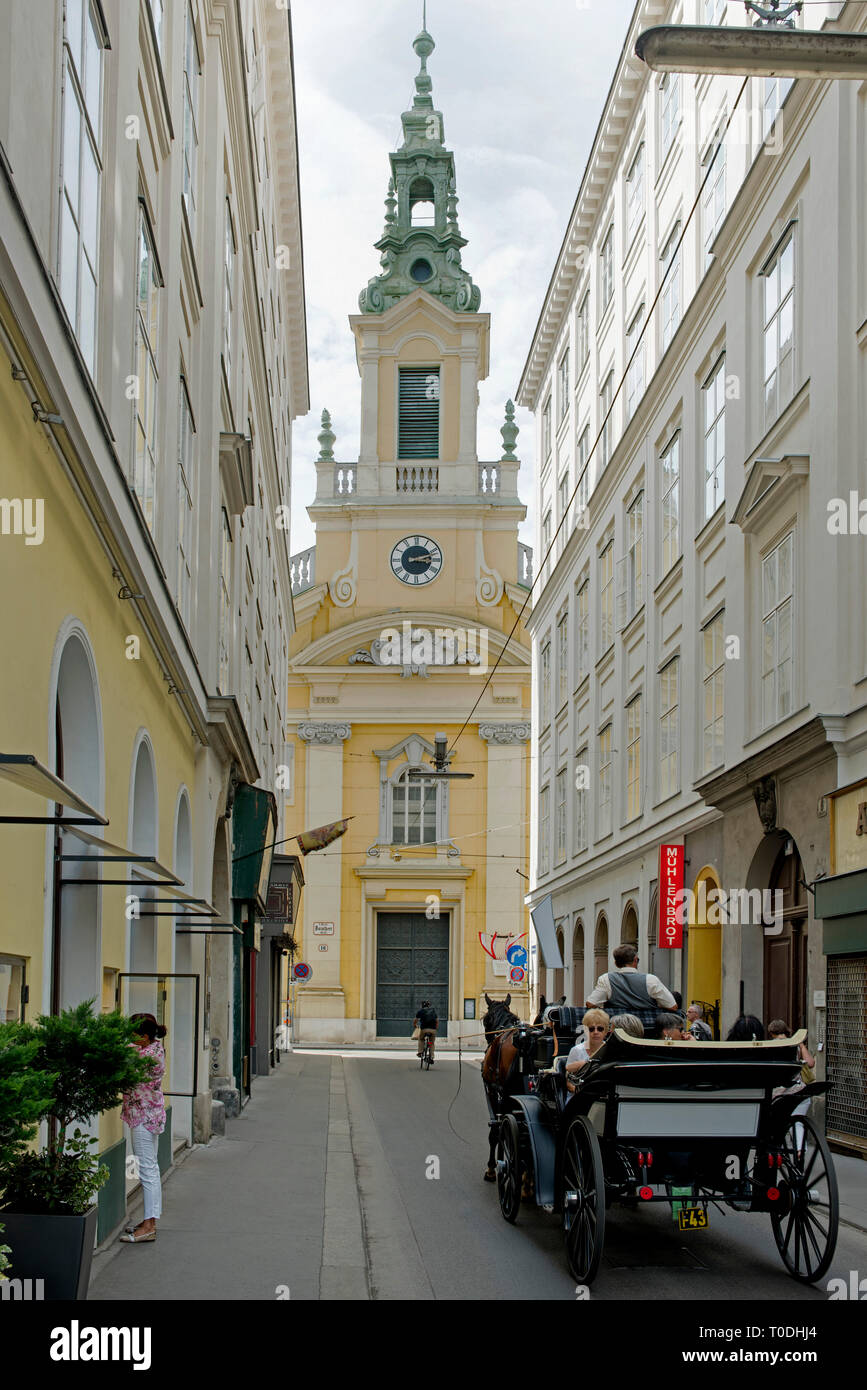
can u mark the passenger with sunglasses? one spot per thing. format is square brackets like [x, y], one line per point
[597, 1026]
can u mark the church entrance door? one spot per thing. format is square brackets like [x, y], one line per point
[412, 963]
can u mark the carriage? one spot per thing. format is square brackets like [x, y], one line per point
[695, 1125]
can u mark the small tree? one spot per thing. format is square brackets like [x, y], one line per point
[26, 1091]
[91, 1064]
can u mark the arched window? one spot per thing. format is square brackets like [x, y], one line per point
[600, 948]
[578, 995]
[560, 973]
[629, 926]
[421, 203]
[414, 809]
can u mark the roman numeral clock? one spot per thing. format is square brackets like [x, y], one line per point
[416, 560]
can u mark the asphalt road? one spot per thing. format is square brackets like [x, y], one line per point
[443, 1236]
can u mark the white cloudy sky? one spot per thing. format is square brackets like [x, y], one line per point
[521, 87]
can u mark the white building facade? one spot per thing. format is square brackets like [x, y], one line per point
[700, 646]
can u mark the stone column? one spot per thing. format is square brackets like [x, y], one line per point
[323, 804]
[506, 807]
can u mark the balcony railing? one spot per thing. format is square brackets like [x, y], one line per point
[490, 479]
[345, 479]
[417, 477]
[302, 570]
[525, 566]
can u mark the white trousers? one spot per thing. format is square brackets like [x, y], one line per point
[144, 1146]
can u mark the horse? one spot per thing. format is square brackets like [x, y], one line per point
[500, 1076]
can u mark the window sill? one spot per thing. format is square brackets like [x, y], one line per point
[670, 579]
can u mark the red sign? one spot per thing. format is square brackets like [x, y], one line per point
[671, 896]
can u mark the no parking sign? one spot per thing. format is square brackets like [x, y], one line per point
[302, 971]
[516, 974]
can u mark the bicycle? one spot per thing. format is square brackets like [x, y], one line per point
[425, 1059]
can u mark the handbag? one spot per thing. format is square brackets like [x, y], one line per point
[807, 1074]
[416, 1033]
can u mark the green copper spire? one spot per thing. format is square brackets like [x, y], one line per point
[421, 243]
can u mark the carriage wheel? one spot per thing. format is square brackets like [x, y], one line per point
[583, 1200]
[509, 1167]
[805, 1229]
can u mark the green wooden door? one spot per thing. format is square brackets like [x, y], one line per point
[412, 963]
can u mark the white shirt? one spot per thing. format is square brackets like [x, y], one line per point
[655, 988]
[578, 1053]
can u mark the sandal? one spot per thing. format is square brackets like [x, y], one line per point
[133, 1238]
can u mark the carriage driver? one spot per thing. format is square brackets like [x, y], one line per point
[426, 1021]
[625, 990]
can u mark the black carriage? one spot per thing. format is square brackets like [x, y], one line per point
[691, 1124]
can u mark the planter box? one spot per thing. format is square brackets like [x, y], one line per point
[58, 1249]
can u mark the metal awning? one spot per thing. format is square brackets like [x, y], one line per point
[27, 772]
[147, 865]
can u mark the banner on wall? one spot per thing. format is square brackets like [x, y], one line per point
[671, 898]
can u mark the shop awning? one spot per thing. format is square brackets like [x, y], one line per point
[25, 771]
[146, 865]
[841, 902]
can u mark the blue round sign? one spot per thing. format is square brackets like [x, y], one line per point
[517, 955]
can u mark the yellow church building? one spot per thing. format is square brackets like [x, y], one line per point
[402, 665]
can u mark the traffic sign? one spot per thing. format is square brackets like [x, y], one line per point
[302, 971]
[516, 974]
[517, 955]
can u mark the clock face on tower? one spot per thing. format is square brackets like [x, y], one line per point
[416, 560]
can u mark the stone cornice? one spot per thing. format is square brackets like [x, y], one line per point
[493, 732]
[806, 746]
[316, 731]
[228, 734]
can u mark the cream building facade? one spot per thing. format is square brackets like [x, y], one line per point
[403, 607]
[699, 639]
[153, 349]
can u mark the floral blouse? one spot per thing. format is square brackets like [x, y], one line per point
[145, 1105]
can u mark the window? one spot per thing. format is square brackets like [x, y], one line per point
[606, 288]
[604, 827]
[634, 585]
[192, 74]
[81, 173]
[635, 194]
[669, 110]
[605, 413]
[413, 809]
[546, 534]
[635, 367]
[13, 989]
[714, 393]
[714, 693]
[670, 260]
[583, 493]
[563, 386]
[228, 291]
[563, 506]
[147, 376]
[582, 643]
[545, 683]
[560, 836]
[186, 494]
[777, 631]
[779, 328]
[713, 196]
[225, 601]
[582, 336]
[418, 413]
[715, 11]
[563, 657]
[774, 93]
[581, 801]
[633, 758]
[606, 597]
[669, 729]
[546, 429]
[670, 495]
[544, 829]
[157, 9]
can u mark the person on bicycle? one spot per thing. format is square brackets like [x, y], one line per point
[426, 1021]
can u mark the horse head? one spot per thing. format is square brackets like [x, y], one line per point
[498, 1017]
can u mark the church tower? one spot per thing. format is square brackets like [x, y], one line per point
[403, 610]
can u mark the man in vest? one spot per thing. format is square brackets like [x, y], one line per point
[625, 990]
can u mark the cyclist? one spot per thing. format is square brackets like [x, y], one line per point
[426, 1021]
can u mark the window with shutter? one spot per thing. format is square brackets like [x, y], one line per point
[418, 413]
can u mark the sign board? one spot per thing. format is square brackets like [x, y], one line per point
[671, 899]
[516, 974]
[323, 946]
[543, 921]
[517, 955]
[499, 967]
[323, 928]
[302, 971]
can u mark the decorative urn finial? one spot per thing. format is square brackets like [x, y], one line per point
[326, 440]
[510, 432]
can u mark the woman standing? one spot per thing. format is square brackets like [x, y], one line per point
[144, 1110]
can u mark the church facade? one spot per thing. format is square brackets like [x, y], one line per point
[404, 607]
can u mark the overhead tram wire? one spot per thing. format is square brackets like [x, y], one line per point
[648, 320]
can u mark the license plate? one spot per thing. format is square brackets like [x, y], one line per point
[692, 1218]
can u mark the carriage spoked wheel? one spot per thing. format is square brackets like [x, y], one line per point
[509, 1168]
[805, 1226]
[583, 1200]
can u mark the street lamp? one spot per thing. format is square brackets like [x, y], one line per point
[771, 48]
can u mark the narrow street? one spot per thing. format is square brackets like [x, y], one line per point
[320, 1191]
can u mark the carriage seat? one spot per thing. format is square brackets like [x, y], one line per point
[566, 1020]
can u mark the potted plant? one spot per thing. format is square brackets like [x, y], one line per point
[48, 1202]
[25, 1095]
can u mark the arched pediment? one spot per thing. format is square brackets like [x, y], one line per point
[338, 647]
